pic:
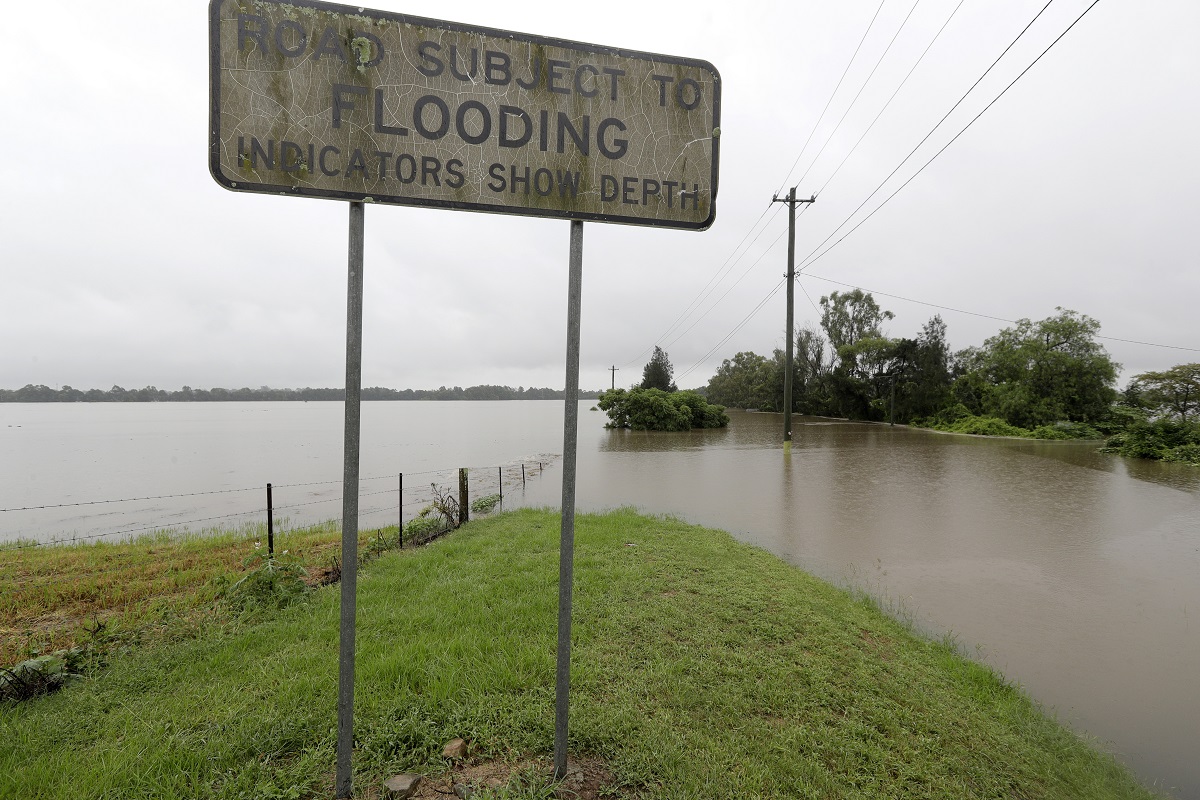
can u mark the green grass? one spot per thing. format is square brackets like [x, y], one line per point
[52, 595]
[702, 668]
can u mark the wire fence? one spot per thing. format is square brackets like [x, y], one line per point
[411, 493]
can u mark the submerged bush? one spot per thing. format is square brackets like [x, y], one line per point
[656, 410]
[987, 426]
[483, 505]
[1067, 430]
[1163, 439]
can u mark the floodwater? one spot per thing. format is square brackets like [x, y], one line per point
[1072, 572]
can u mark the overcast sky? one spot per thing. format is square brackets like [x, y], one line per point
[123, 262]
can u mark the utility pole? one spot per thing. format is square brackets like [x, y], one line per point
[613, 369]
[791, 297]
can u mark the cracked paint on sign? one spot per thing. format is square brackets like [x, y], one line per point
[320, 100]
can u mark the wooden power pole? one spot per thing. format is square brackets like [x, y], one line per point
[613, 369]
[791, 296]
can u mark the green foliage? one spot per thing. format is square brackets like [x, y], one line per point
[434, 519]
[745, 381]
[1163, 439]
[273, 582]
[482, 505]
[1174, 393]
[424, 527]
[41, 674]
[656, 410]
[1040, 373]
[850, 316]
[658, 372]
[1067, 430]
[986, 426]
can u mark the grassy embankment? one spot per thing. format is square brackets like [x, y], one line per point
[157, 585]
[701, 668]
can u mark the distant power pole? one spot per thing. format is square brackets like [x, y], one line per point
[613, 369]
[791, 292]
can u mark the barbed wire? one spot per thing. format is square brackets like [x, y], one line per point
[489, 481]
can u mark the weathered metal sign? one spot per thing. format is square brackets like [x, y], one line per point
[322, 100]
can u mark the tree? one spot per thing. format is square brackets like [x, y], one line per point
[658, 372]
[742, 382]
[1170, 394]
[1038, 373]
[850, 316]
[853, 323]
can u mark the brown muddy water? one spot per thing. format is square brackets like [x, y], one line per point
[1075, 573]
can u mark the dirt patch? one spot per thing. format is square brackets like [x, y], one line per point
[586, 779]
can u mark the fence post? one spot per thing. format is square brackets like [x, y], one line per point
[501, 471]
[400, 510]
[270, 525]
[463, 506]
[522, 475]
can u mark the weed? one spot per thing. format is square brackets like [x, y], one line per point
[42, 674]
[276, 582]
[485, 504]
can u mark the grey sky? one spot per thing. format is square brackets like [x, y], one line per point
[124, 262]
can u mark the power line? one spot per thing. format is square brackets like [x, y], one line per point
[984, 316]
[736, 328]
[846, 113]
[718, 276]
[911, 70]
[849, 64]
[810, 261]
[727, 267]
[731, 287]
[931, 132]
[807, 261]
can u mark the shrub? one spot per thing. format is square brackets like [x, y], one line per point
[1050, 432]
[986, 426]
[1163, 439]
[426, 526]
[1184, 454]
[277, 582]
[483, 505]
[1067, 430]
[656, 410]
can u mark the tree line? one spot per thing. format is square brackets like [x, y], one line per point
[1047, 379]
[36, 393]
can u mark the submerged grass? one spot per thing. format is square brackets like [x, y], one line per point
[701, 668]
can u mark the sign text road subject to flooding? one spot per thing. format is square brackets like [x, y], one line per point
[323, 100]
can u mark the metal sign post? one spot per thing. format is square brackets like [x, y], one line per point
[566, 549]
[354, 302]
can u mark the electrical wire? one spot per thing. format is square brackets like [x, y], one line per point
[911, 70]
[849, 64]
[985, 316]
[810, 261]
[932, 130]
[732, 286]
[858, 94]
[736, 328]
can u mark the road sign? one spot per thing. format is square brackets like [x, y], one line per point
[321, 100]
